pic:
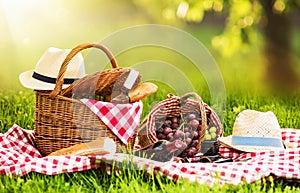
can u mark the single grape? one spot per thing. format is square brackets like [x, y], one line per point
[188, 141]
[167, 130]
[194, 143]
[174, 120]
[195, 135]
[186, 129]
[192, 116]
[194, 123]
[187, 135]
[213, 135]
[213, 129]
[170, 136]
[207, 137]
[178, 134]
[190, 153]
[175, 125]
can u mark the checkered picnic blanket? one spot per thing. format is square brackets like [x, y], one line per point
[18, 156]
[122, 119]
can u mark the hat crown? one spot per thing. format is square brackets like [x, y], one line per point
[50, 62]
[43, 77]
[250, 123]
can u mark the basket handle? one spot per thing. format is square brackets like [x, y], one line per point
[60, 78]
[202, 113]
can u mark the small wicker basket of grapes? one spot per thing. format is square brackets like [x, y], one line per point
[182, 127]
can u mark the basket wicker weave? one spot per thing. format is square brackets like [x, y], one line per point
[176, 106]
[61, 121]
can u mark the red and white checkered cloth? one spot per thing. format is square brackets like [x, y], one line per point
[122, 119]
[19, 157]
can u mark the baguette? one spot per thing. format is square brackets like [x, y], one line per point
[100, 146]
[141, 91]
[137, 93]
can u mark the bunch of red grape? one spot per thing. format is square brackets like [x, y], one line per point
[186, 128]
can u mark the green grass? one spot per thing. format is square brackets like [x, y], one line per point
[18, 107]
[130, 181]
[95, 181]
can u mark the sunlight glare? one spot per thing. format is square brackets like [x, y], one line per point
[22, 17]
[182, 9]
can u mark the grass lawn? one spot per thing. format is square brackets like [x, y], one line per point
[17, 107]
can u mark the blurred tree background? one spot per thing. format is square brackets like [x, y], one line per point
[253, 41]
[274, 19]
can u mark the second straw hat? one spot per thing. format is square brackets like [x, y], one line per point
[254, 131]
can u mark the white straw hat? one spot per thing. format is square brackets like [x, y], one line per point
[47, 68]
[254, 131]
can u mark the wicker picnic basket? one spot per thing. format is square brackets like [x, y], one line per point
[175, 106]
[62, 121]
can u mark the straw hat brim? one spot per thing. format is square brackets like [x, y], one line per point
[29, 82]
[227, 142]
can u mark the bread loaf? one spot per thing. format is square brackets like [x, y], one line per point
[100, 146]
[141, 91]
